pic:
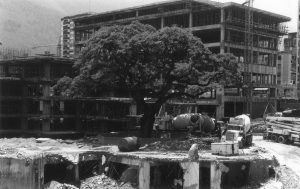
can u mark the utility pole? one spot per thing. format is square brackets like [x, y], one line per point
[248, 54]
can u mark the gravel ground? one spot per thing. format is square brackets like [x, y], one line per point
[104, 182]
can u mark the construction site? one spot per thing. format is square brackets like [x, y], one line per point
[219, 140]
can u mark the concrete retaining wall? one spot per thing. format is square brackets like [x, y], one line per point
[19, 173]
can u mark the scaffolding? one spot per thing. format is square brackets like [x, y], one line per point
[248, 54]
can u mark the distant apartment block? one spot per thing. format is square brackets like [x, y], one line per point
[287, 74]
[67, 36]
[298, 49]
[221, 27]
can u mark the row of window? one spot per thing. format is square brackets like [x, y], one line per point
[263, 78]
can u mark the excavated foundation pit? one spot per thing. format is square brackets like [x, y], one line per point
[144, 169]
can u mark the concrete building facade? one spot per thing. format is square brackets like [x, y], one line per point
[298, 48]
[287, 74]
[67, 36]
[221, 27]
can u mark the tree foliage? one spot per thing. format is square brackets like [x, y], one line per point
[149, 63]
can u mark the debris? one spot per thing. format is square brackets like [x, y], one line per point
[130, 175]
[193, 152]
[180, 144]
[57, 185]
[104, 182]
[129, 144]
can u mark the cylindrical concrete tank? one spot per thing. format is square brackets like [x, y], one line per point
[207, 125]
[243, 120]
[182, 121]
[202, 122]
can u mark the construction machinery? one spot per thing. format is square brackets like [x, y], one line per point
[283, 127]
[195, 123]
[239, 129]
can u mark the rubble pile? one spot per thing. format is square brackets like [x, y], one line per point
[288, 178]
[258, 125]
[104, 182]
[180, 144]
[57, 185]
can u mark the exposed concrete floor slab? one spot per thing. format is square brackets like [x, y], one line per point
[70, 150]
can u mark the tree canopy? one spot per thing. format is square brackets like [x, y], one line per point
[148, 63]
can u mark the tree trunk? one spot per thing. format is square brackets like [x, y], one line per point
[147, 122]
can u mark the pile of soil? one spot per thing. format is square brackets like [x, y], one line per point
[180, 144]
[104, 182]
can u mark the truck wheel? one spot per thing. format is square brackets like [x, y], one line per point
[248, 141]
[251, 138]
[274, 138]
[281, 139]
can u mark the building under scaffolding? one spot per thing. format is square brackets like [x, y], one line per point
[222, 28]
[28, 106]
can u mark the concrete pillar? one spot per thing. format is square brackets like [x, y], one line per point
[191, 175]
[144, 175]
[190, 20]
[133, 109]
[136, 13]
[24, 121]
[222, 47]
[215, 176]
[46, 90]
[41, 173]
[46, 113]
[47, 75]
[76, 173]
[77, 121]
[228, 35]
[234, 108]
[162, 22]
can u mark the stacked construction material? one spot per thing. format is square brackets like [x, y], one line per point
[292, 124]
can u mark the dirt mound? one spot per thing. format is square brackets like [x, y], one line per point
[180, 144]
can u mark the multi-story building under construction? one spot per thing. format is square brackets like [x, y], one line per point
[224, 28]
[28, 105]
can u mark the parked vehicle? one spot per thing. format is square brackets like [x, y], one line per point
[283, 129]
[239, 128]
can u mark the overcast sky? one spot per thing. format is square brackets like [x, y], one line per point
[283, 7]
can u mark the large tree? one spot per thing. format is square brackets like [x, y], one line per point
[150, 64]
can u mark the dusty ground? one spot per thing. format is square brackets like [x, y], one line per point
[288, 156]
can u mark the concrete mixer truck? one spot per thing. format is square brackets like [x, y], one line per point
[239, 128]
[193, 122]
